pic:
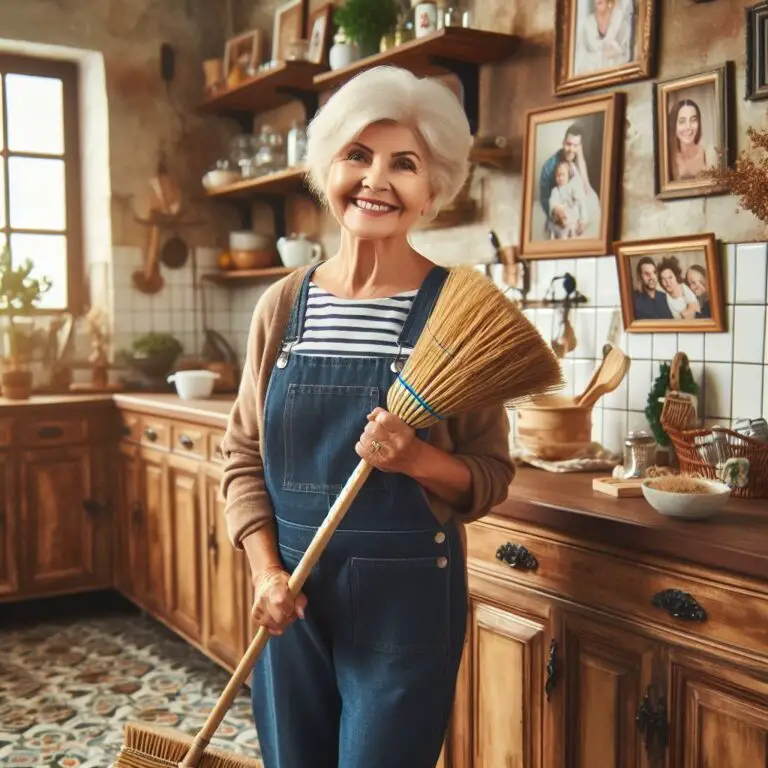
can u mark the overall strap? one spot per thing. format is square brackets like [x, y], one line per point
[422, 306]
[296, 323]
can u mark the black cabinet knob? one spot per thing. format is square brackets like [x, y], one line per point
[150, 434]
[187, 442]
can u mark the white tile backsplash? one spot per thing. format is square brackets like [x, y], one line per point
[607, 294]
[747, 397]
[640, 378]
[750, 273]
[729, 273]
[664, 346]
[692, 344]
[718, 347]
[614, 429]
[748, 331]
[640, 345]
[717, 390]
[586, 278]
[583, 320]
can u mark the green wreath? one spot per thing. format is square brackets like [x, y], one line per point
[658, 390]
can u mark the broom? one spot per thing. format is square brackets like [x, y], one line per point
[477, 349]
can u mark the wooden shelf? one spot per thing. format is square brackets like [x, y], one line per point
[286, 81]
[234, 276]
[280, 183]
[431, 55]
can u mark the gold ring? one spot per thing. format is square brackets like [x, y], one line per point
[375, 446]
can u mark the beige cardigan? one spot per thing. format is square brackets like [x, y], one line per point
[478, 438]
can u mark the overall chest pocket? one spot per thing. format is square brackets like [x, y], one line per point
[322, 423]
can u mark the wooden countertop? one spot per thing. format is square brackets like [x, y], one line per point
[214, 410]
[735, 540]
[47, 401]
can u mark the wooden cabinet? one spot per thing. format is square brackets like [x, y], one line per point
[9, 578]
[130, 545]
[153, 511]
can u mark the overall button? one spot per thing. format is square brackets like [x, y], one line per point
[439, 537]
[442, 562]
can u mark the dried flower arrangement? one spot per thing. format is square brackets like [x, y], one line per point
[748, 177]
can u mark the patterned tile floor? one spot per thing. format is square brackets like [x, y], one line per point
[68, 685]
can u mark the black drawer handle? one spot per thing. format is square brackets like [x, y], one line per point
[136, 513]
[50, 432]
[517, 556]
[125, 430]
[187, 442]
[150, 434]
[91, 507]
[679, 605]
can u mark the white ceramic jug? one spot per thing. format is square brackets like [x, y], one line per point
[297, 251]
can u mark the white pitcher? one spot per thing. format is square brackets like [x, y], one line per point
[297, 251]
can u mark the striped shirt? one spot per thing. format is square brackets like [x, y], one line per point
[353, 327]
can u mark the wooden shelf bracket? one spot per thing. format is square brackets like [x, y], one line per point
[469, 76]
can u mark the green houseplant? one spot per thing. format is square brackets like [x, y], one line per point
[365, 22]
[19, 294]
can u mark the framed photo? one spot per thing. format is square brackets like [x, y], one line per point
[245, 50]
[319, 32]
[692, 125]
[570, 178]
[600, 43]
[671, 285]
[288, 26]
[757, 52]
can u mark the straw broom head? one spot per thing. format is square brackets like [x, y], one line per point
[150, 747]
[477, 349]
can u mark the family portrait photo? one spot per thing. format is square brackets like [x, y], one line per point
[603, 42]
[671, 285]
[570, 174]
[692, 118]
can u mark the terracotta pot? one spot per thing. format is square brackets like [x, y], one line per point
[555, 429]
[253, 259]
[17, 385]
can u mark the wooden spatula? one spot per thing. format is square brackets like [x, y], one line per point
[608, 376]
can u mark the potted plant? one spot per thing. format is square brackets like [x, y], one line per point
[361, 25]
[153, 355]
[19, 293]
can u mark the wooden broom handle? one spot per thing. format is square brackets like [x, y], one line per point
[295, 583]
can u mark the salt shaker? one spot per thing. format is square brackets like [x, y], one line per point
[639, 453]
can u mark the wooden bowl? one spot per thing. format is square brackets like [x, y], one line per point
[256, 259]
[554, 428]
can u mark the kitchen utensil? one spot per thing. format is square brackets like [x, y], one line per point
[620, 488]
[685, 506]
[565, 339]
[639, 453]
[554, 428]
[174, 253]
[496, 243]
[193, 385]
[149, 279]
[613, 369]
[297, 251]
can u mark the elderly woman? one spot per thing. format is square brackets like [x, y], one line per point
[366, 675]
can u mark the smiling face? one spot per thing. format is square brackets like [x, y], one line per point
[669, 282]
[696, 282]
[379, 185]
[648, 277]
[687, 128]
[571, 146]
[562, 174]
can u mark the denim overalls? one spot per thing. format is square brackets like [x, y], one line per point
[367, 679]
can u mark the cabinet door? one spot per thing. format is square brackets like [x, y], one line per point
[607, 672]
[225, 606]
[184, 553]
[130, 534]
[9, 582]
[510, 716]
[154, 530]
[718, 714]
[58, 528]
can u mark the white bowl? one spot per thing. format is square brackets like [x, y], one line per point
[220, 178]
[687, 506]
[193, 385]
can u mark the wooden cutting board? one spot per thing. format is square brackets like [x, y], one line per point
[614, 486]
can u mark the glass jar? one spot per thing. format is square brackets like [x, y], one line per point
[271, 153]
[296, 144]
[242, 152]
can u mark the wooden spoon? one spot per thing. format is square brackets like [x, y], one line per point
[149, 279]
[608, 376]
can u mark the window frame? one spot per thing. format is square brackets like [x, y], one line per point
[68, 73]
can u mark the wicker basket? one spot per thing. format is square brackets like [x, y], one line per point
[676, 416]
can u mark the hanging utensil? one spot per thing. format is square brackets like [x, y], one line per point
[149, 279]
[609, 375]
[175, 252]
[565, 339]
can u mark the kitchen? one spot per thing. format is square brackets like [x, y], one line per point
[111, 479]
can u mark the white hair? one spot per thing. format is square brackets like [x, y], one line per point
[385, 93]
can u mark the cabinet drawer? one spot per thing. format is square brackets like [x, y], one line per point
[6, 432]
[736, 613]
[155, 433]
[215, 453]
[188, 440]
[130, 426]
[51, 432]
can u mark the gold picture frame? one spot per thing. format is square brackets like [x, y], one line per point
[244, 50]
[579, 144]
[320, 34]
[671, 285]
[594, 52]
[699, 105]
[288, 27]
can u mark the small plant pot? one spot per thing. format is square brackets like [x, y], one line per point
[17, 385]
[342, 55]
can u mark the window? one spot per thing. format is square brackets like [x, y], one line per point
[40, 212]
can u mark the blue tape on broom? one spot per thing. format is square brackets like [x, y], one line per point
[418, 398]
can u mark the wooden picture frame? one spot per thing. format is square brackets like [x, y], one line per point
[650, 271]
[320, 34]
[757, 52]
[288, 26]
[587, 56]
[246, 50]
[582, 139]
[692, 129]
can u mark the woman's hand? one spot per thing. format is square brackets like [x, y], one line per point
[273, 605]
[388, 443]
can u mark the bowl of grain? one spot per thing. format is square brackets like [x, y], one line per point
[685, 497]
